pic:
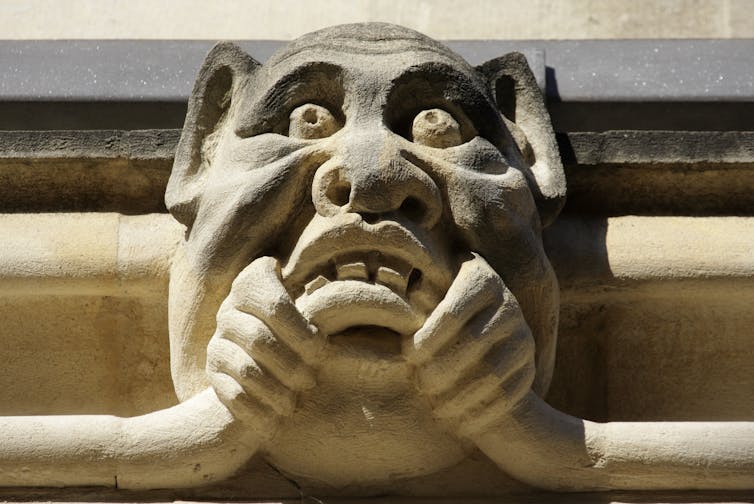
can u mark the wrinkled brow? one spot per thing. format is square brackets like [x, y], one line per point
[438, 75]
[439, 84]
[311, 82]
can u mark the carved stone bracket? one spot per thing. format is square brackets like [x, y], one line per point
[358, 288]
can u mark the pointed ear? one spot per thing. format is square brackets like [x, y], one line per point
[522, 106]
[220, 83]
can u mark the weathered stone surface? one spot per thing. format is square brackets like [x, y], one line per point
[359, 301]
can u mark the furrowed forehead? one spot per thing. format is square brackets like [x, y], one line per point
[364, 47]
[365, 40]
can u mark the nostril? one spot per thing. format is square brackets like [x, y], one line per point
[412, 208]
[413, 278]
[339, 193]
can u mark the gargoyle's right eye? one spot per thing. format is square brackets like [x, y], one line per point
[310, 121]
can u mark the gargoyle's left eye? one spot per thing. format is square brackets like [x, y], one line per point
[310, 121]
[436, 128]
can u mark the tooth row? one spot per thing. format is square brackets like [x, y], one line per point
[396, 278]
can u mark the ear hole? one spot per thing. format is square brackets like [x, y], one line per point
[219, 89]
[212, 114]
[210, 143]
[505, 95]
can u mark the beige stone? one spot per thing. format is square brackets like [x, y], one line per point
[359, 294]
[287, 19]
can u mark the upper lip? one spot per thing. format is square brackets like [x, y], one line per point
[347, 237]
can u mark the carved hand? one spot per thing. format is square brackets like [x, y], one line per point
[475, 352]
[262, 352]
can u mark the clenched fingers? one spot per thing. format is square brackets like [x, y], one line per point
[508, 380]
[475, 287]
[225, 357]
[258, 290]
[258, 341]
[247, 408]
[489, 345]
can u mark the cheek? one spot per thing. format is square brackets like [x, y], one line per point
[242, 212]
[495, 215]
[485, 194]
[261, 150]
[489, 208]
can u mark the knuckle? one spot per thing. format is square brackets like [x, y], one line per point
[258, 270]
[277, 303]
[262, 342]
[215, 356]
[228, 390]
[248, 371]
[226, 310]
[268, 308]
[229, 319]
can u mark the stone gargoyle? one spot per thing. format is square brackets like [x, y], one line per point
[362, 294]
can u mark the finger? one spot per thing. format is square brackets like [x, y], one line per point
[248, 409]
[475, 287]
[258, 341]
[259, 291]
[226, 357]
[494, 377]
[505, 330]
[512, 391]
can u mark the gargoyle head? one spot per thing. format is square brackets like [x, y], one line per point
[371, 162]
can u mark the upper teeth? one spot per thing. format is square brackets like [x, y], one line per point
[391, 278]
[352, 271]
[395, 276]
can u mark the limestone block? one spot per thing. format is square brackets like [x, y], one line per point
[287, 19]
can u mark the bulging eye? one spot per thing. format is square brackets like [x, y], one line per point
[310, 121]
[436, 128]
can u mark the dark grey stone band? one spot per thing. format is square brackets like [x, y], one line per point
[590, 85]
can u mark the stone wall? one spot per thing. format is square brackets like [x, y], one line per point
[442, 19]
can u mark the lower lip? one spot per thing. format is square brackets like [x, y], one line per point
[345, 304]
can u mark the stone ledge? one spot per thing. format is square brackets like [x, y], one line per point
[609, 173]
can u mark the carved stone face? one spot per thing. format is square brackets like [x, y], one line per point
[370, 162]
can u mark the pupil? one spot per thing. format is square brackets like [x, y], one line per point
[310, 116]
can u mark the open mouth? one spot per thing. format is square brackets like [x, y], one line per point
[346, 273]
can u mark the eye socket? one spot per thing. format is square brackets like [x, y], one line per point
[310, 121]
[436, 128]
